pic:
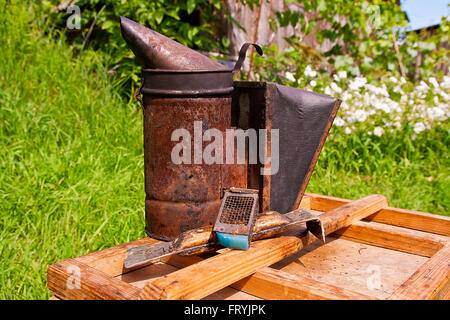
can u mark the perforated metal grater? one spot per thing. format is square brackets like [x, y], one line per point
[236, 218]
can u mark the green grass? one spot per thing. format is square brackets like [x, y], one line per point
[411, 173]
[71, 166]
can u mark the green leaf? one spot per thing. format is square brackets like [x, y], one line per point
[225, 42]
[192, 32]
[321, 6]
[190, 6]
[159, 16]
[107, 24]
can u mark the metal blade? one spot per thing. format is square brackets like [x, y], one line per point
[313, 222]
[146, 254]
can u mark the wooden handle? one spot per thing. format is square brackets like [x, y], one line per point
[203, 236]
[208, 276]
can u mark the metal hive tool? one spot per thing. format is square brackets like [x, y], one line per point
[236, 218]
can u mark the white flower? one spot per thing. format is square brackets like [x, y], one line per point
[289, 76]
[422, 87]
[378, 131]
[313, 83]
[436, 113]
[381, 105]
[342, 74]
[446, 82]
[419, 127]
[339, 122]
[335, 88]
[327, 91]
[404, 99]
[398, 89]
[393, 79]
[434, 82]
[336, 78]
[347, 130]
[309, 72]
[346, 95]
[436, 99]
[357, 83]
[360, 115]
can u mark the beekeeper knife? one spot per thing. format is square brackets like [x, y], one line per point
[268, 224]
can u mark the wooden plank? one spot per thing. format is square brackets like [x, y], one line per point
[349, 213]
[431, 281]
[305, 203]
[110, 260]
[341, 259]
[411, 219]
[358, 267]
[73, 280]
[422, 221]
[271, 284]
[392, 237]
[210, 275]
[325, 203]
[140, 277]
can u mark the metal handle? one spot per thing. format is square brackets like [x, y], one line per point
[242, 53]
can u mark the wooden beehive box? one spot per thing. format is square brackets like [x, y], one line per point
[391, 254]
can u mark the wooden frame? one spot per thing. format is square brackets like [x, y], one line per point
[269, 269]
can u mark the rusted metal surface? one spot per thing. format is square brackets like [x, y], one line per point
[155, 51]
[187, 83]
[180, 197]
[238, 212]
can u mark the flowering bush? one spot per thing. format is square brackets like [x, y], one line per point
[383, 87]
[387, 105]
[386, 125]
[376, 106]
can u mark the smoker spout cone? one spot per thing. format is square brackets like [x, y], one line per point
[155, 51]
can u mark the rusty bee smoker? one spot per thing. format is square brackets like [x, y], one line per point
[182, 90]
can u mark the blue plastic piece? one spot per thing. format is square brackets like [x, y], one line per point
[239, 242]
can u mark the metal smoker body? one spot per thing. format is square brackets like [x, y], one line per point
[184, 87]
[180, 197]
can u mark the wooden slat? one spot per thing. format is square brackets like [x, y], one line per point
[93, 284]
[210, 275]
[366, 269]
[394, 216]
[392, 237]
[274, 284]
[271, 284]
[422, 221]
[305, 203]
[110, 260]
[431, 281]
